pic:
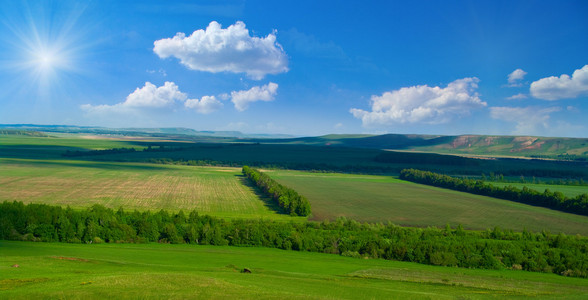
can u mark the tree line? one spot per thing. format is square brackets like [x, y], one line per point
[425, 159]
[72, 153]
[554, 200]
[494, 177]
[489, 249]
[288, 199]
[122, 150]
[22, 132]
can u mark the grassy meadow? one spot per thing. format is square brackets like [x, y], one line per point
[372, 198]
[123, 271]
[217, 191]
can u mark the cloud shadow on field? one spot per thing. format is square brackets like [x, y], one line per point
[123, 166]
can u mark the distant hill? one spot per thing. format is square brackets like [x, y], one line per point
[482, 145]
[171, 132]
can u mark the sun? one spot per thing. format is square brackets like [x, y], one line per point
[44, 53]
[46, 61]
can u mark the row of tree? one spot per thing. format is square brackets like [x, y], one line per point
[490, 249]
[521, 179]
[553, 200]
[288, 199]
[22, 132]
[122, 150]
[72, 153]
[394, 157]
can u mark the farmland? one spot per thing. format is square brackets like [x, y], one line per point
[259, 153]
[568, 190]
[181, 271]
[211, 190]
[382, 198]
[79, 172]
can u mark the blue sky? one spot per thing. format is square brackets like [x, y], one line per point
[299, 67]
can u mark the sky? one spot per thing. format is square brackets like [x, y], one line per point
[304, 68]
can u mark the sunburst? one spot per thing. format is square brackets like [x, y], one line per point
[43, 51]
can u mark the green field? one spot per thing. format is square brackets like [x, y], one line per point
[382, 198]
[216, 191]
[34, 170]
[77, 271]
[568, 190]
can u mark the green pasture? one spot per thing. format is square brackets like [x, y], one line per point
[568, 190]
[125, 271]
[386, 199]
[217, 191]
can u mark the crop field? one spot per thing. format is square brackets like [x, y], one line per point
[382, 198]
[122, 271]
[568, 190]
[210, 190]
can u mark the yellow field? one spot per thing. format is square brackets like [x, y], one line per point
[210, 190]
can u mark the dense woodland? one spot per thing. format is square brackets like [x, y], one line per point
[490, 249]
[288, 199]
[553, 200]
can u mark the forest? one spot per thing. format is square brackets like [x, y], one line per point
[490, 249]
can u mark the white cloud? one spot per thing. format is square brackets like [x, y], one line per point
[241, 99]
[529, 120]
[422, 104]
[226, 50]
[563, 87]
[518, 96]
[515, 77]
[147, 97]
[155, 98]
[339, 126]
[224, 96]
[205, 105]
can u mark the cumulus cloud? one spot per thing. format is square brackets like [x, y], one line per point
[518, 96]
[422, 104]
[241, 99]
[148, 96]
[205, 105]
[563, 87]
[226, 50]
[529, 120]
[515, 77]
[152, 97]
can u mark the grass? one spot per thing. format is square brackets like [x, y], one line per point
[216, 191]
[123, 271]
[382, 198]
[568, 190]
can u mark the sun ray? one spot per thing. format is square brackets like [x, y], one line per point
[44, 47]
